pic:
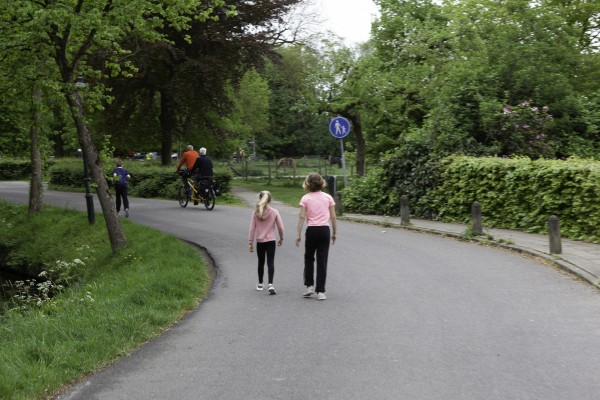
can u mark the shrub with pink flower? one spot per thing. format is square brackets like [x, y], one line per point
[524, 127]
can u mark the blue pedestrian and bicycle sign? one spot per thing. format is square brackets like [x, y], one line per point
[339, 127]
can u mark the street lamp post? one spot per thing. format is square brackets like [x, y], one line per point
[89, 197]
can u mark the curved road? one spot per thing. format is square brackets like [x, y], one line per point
[408, 316]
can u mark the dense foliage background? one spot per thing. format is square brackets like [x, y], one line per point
[516, 78]
[514, 193]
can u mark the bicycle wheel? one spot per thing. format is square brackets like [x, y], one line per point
[209, 202]
[182, 196]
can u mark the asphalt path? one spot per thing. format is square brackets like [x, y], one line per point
[408, 316]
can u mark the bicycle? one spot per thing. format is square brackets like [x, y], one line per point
[203, 194]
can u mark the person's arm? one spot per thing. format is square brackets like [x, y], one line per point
[279, 223]
[181, 160]
[301, 219]
[333, 218]
[251, 233]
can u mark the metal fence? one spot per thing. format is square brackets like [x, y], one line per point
[284, 168]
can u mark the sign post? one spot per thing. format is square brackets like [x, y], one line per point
[339, 127]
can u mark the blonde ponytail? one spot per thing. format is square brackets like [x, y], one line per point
[264, 199]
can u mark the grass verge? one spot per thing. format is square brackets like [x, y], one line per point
[111, 303]
[287, 190]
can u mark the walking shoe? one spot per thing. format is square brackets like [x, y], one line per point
[271, 289]
[259, 286]
[309, 291]
[127, 213]
[321, 296]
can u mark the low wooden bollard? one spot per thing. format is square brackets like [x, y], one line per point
[554, 235]
[404, 210]
[476, 224]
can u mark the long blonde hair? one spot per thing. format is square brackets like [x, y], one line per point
[264, 199]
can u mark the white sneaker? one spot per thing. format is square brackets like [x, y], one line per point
[271, 289]
[321, 296]
[259, 286]
[309, 291]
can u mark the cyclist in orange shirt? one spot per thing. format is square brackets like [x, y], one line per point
[189, 158]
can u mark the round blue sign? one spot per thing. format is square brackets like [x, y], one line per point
[339, 127]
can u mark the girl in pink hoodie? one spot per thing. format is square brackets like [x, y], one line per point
[262, 228]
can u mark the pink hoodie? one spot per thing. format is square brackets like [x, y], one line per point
[264, 229]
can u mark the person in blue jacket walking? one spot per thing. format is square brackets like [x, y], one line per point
[120, 176]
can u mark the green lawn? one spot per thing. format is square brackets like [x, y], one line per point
[288, 191]
[111, 303]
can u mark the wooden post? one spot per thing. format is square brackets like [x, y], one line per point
[404, 210]
[476, 225]
[269, 165]
[554, 235]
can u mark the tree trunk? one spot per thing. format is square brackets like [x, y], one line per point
[354, 117]
[94, 164]
[36, 189]
[58, 126]
[360, 144]
[168, 124]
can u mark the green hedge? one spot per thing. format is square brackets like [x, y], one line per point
[14, 169]
[146, 180]
[368, 195]
[521, 193]
[516, 193]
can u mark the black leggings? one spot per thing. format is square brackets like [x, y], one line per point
[121, 193]
[266, 249]
[317, 241]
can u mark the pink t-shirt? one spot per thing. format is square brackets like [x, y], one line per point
[264, 229]
[317, 208]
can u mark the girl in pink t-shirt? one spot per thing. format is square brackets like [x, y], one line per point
[318, 209]
[262, 229]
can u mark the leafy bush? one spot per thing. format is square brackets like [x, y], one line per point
[412, 171]
[517, 193]
[14, 169]
[163, 185]
[371, 195]
[522, 194]
[68, 172]
[147, 180]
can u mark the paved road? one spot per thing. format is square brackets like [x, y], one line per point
[408, 316]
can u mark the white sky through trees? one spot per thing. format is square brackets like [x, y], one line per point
[350, 19]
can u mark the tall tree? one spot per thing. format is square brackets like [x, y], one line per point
[36, 190]
[488, 77]
[296, 125]
[69, 33]
[250, 114]
[20, 71]
[341, 92]
[187, 77]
